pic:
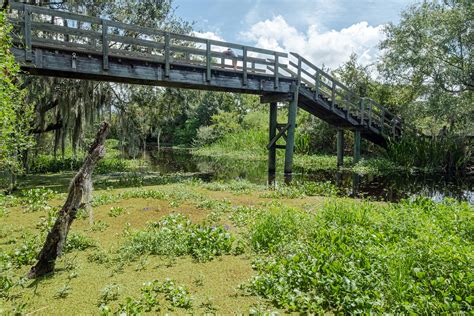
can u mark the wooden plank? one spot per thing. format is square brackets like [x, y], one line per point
[275, 97]
[136, 28]
[62, 14]
[317, 84]
[27, 33]
[275, 71]
[277, 136]
[105, 45]
[64, 30]
[167, 55]
[135, 41]
[244, 66]
[189, 38]
[61, 45]
[208, 61]
[249, 48]
[333, 95]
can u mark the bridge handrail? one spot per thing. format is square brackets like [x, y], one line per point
[325, 84]
[91, 30]
[171, 48]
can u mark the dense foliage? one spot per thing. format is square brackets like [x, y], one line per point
[414, 257]
[15, 114]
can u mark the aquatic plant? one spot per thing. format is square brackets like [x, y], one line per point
[351, 257]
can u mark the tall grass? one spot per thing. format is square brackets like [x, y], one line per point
[448, 154]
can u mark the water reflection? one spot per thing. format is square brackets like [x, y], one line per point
[388, 188]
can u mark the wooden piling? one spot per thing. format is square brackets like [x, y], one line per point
[272, 134]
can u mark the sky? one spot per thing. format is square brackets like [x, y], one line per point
[324, 31]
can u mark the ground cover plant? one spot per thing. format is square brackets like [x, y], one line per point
[187, 248]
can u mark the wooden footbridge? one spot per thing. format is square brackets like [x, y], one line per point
[61, 44]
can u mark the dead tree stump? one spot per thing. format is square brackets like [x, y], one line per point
[56, 238]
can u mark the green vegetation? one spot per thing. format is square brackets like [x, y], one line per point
[174, 235]
[414, 257]
[283, 249]
[15, 114]
[170, 243]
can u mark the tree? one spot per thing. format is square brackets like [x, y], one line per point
[15, 113]
[430, 51]
[80, 185]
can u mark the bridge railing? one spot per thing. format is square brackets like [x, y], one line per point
[60, 30]
[367, 111]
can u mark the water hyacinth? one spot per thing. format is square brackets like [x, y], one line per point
[175, 235]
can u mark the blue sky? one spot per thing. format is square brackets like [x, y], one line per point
[328, 31]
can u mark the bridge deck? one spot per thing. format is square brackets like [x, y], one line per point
[56, 43]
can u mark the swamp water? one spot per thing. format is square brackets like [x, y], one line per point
[391, 187]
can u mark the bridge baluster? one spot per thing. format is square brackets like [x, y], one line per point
[208, 61]
[333, 94]
[167, 54]
[276, 70]
[244, 66]
[317, 84]
[105, 45]
[27, 32]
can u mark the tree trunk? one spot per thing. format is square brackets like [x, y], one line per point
[56, 238]
[158, 138]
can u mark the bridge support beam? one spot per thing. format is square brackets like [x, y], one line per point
[272, 134]
[356, 145]
[290, 138]
[340, 147]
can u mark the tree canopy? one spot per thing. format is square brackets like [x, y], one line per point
[430, 52]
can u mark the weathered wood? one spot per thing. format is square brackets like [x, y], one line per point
[56, 238]
[244, 66]
[281, 132]
[208, 61]
[272, 134]
[333, 95]
[175, 60]
[47, 27]
[135, 41]
[27, 33]
[105, 45]
[356, 145]
[167, 55]
[290, 137]
[275, 97]
[340, 147]
[276, 73]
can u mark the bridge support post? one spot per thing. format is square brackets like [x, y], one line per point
[340, 147]
[356, 145]
[272, 134]
[290, 138]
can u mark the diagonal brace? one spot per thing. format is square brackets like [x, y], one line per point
[277, 136]
[280, 127]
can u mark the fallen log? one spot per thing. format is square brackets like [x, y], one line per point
[56, 238]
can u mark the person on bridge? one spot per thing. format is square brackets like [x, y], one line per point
[233, 56]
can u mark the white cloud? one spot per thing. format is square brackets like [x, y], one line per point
[330, 48]
[208, 35]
